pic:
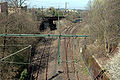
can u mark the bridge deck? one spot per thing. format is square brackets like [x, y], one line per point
[54, 18]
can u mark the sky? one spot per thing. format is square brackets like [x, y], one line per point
[71, 4]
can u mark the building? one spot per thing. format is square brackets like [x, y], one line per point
[19, 9]
[4, 7]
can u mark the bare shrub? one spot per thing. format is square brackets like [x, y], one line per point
[17, 23]
[103, 19]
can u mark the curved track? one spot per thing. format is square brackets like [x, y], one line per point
[68, 46]
[71, 69]
[41, 60]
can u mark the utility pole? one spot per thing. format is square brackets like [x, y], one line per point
[42, 13]
[59, 37]
[58, 21]
[66, 6]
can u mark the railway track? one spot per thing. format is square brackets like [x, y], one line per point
[68, 45]
[68, 42]
[43, 59]
[40, 61]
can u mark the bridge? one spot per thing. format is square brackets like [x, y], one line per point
[48, 22]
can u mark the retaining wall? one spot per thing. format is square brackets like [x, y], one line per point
[95, 70]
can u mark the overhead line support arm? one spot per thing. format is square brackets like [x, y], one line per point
[41, 35]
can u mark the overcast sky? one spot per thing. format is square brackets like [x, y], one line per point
[72, 4]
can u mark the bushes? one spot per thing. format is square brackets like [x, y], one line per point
[104, 27]
[15, 24]
[24, 74]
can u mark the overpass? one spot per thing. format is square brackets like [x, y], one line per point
[48, 22]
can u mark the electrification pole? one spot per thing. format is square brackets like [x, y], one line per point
[66, 6]
[59, 38]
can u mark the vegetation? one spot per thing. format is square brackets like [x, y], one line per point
[103, 26]
[54, 12]
[102, 23]
[16, 3]
[16, 23]
[24, 74]
[103, 20]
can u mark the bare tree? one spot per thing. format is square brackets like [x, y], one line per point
[103, 18]
[16, 3]
[15, 24]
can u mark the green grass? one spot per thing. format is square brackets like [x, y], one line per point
[85, 71]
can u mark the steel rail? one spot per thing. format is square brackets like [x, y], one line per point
[41, 58]
[47, 61]
[66, 43]
[72, 56]
[73, 47]
[66, 65]
[13, 45]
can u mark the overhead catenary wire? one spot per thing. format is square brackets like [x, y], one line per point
[49, 35]
[15, 53]
[12, 45]
[39, 36]
[14, 62]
